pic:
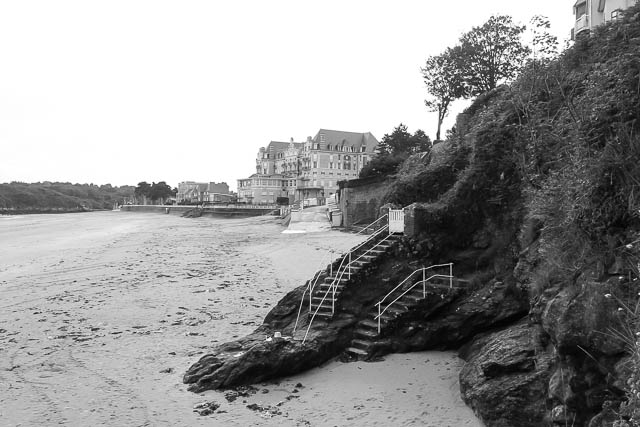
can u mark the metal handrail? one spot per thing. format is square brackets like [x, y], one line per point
[312, 283]
[374, 222]
[340, 273]
[423, 281]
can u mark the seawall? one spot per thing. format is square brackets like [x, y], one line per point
[218, 211]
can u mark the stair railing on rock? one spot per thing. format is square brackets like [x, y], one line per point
[342, 268]
[371, 226]
[311, 284]
[424, 281]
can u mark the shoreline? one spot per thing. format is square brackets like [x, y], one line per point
[102, 314]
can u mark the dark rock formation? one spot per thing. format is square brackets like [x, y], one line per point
[506, 375]
[456, 319]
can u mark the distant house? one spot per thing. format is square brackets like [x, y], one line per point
[310, 169]
[203, 192]
[591, 13]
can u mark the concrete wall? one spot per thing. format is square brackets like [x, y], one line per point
[361, 199]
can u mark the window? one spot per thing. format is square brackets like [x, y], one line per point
[315, 164]
[615, 14]
[581, 9]
[363, 148]
[322, 137]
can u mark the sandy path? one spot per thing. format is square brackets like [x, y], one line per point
[101, 314]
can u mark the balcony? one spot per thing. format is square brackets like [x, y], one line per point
[582, 24]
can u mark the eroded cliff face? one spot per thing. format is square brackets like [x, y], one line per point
[536, 204]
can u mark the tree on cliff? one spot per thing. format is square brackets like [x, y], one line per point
[444, 81]
[394, 149]
[401, 142]
[491, 54]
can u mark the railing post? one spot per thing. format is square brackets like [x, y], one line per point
[333, 298]
[378, 318]
[349, 265]
[450, 275]
[424, 284]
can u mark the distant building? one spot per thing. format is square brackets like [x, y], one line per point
[204, 192]
[591, 13]
[310, 169]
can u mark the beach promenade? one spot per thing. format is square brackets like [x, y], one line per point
[102, 313]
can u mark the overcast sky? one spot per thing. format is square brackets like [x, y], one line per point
[126, 91]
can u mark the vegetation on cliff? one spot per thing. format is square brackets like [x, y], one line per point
[19, 197]
[539, 185]
[534, 197]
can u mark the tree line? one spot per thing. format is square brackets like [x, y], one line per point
[156, 191]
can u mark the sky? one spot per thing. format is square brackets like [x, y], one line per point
[120, 92]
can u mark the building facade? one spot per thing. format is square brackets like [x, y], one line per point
[591, 13]
[310, 169]
[203, 192]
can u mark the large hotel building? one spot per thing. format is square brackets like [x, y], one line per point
[310, 169]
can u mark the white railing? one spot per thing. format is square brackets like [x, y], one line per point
[311, 284]
[424, 281]
[373, 223]
[341, 271]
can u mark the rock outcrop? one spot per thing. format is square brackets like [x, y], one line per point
[506, 375]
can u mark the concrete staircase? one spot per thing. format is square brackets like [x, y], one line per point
[366, 333]
[325, 297]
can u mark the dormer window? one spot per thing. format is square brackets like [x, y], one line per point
[322, 137]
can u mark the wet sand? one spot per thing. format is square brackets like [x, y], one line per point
[101, 314]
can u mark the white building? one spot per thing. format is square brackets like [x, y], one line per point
[591, 13]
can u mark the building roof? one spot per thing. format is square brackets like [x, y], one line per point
[354, 139]
[279, 146]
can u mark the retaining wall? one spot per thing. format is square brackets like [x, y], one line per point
[361, 199]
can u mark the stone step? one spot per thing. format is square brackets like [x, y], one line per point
[322, 288]
[356, 351]
[315, 301]
[368, 324]
[412, 299]
[366, 333]
[321, 308]
[361, 344]
[321, 316]
[331, 279]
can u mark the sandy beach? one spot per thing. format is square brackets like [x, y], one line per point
[102, 313]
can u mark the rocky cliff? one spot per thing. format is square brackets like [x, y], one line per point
[534, 197]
